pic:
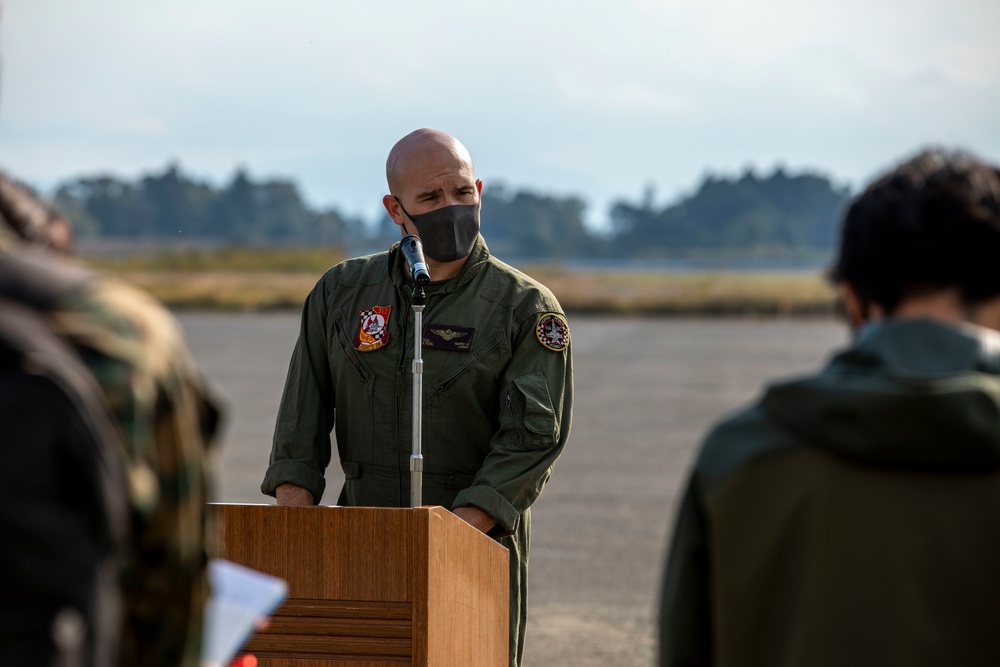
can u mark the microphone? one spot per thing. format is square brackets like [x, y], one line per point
[413, 251]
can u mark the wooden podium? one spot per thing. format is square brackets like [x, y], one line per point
[372, 587]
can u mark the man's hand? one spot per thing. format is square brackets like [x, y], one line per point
[475, 517]
[295, 496]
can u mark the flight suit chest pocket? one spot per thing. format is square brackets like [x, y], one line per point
[530, 413]
[364, 373]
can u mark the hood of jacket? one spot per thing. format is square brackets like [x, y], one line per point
[908, 393]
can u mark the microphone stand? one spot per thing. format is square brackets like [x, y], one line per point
[418, 300]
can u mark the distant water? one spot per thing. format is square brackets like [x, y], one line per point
[677, 265]
[119, 248]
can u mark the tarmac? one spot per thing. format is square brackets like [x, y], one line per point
[647, 389]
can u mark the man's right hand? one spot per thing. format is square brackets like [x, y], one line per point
[289, 494]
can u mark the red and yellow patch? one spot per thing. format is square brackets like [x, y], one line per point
[374, 331]
[552, 332]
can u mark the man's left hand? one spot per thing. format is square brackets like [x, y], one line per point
[475, 517]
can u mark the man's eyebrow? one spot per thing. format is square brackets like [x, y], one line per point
[427, 193]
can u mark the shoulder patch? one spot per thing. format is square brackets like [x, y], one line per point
[374, 330]
[552, 331]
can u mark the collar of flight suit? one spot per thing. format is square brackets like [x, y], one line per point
[478, 259]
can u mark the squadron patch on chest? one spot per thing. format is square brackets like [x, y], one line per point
[552, 332]
[374, 331]
[448, 337]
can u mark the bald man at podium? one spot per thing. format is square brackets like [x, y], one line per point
[497, 370]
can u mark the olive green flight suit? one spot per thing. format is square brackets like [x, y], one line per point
[497, 400]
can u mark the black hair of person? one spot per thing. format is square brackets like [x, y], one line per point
[932, 223]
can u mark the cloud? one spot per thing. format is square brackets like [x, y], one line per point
[623, 100]
[597, 98]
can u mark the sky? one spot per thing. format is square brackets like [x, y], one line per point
[594, 99]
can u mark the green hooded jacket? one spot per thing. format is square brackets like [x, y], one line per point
[851, 517]
[497, 391]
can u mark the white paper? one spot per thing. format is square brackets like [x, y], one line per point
[241, 598]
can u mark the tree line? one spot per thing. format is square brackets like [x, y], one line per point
[171, 205]
[776, 215]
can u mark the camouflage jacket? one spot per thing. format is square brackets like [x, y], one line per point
[167, 420]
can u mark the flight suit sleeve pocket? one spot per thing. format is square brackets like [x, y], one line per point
[530, 408]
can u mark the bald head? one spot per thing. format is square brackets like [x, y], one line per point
[418, 150]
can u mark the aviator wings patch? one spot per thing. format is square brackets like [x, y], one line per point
[449, 337]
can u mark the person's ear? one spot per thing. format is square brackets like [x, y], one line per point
[394, 210]
[479, 186]
[855, 307]
[987, 314]
[859, 309]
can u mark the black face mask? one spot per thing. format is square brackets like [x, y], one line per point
[447, 233]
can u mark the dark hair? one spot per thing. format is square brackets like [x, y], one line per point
[932, 223]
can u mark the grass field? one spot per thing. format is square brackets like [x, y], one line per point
[258, 280]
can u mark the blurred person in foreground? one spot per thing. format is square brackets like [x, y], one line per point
[497, 368]
[107, 430]
[851, 517]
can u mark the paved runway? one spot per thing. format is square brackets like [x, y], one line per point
[646, 390]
